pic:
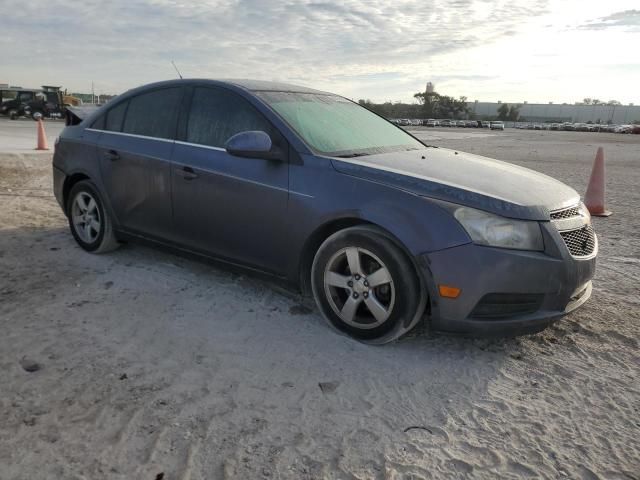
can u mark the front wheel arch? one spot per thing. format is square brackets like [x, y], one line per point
[421, 308]
[324, 231]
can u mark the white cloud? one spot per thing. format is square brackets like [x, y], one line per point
[509, 50]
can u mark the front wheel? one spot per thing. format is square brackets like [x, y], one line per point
[365, 285]
[89, 221]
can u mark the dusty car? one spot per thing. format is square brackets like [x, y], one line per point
[315, 190]
[497, 125]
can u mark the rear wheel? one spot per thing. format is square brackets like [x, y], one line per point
[365, 285]
[89, 221]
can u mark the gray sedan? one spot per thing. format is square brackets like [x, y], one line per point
[318, 192]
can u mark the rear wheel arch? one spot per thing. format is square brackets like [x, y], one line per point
[69, 182]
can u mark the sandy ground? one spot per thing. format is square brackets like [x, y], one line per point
[141, 364]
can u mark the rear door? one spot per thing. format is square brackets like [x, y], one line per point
[135, 156]
[229, 206]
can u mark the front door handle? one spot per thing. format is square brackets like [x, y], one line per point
[188, 173]
[112, 155]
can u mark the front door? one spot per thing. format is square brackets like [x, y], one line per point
[232, 207]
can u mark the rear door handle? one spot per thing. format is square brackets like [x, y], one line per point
[188, 173]
[112, 155]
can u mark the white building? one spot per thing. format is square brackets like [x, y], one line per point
[555, 112]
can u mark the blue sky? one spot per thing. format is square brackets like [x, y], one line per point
[535, 50]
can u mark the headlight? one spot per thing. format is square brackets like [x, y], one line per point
[495, 231]
[584, 213]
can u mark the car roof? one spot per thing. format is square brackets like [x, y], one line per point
[244, 84]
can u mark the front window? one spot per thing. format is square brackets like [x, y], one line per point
[334, 126]
[218, 114]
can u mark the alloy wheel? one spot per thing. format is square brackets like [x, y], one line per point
[85, 216]
[359, 288]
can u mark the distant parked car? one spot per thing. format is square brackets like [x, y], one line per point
[497, 126]
[447, 123]
[461, 123]
[485, 124]
[416, 122]
[635, 129]
[568, 127]
[555, 126]
[471, 124]
[431, 123]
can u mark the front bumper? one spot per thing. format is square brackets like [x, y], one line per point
[558, 281]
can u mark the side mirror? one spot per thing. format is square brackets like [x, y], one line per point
[251, 144]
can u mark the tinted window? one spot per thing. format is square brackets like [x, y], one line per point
[154, 114]
[98, 123]
[115, 117]
[217, 114]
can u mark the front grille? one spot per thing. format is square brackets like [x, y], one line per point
[566, 213]
[580, 242]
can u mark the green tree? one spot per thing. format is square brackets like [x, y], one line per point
[435, 105]
[514, 113]
[503, 111]
[429, 102]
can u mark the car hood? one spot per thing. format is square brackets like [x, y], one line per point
[465, 179]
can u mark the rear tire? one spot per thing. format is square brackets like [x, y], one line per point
[365, 286]
[90, 224]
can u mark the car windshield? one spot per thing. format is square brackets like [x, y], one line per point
[337, 127]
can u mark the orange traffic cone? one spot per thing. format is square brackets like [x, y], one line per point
[42, 137]
[594, 198]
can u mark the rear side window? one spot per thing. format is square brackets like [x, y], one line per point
[218, 114]
[154, 114]
[115, 117]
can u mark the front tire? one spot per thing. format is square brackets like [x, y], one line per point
[365, 286]
[90, 224]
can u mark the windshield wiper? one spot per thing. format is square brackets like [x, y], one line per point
[351, 155]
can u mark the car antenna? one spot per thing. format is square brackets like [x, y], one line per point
[174, 66]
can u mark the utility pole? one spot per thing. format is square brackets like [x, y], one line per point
[93, 97]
